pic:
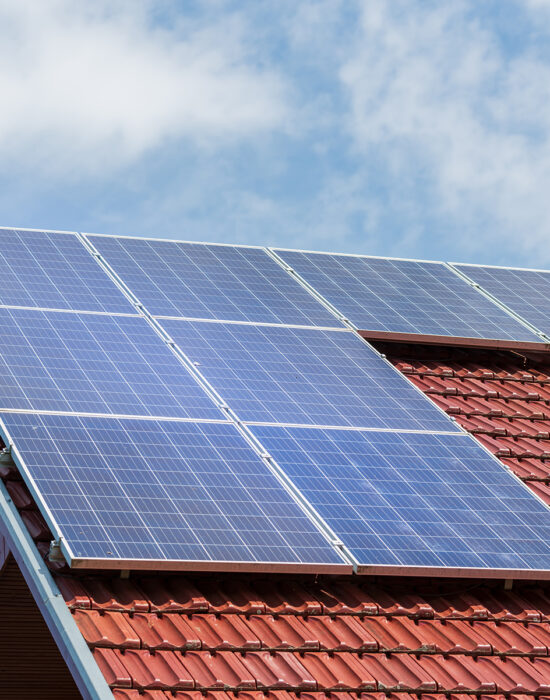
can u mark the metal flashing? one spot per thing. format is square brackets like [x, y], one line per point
[420, 339]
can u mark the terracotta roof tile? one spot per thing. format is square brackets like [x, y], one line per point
[286, 632]
[157, 632]
[107, 629]
[156, 670]
[218, 670]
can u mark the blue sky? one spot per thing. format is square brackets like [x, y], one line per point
[414, 129]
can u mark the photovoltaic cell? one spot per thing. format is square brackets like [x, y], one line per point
[415, 500]
[404, 296]
[197, 280]
[54, 270]
[94, 363]
[526, 292]
[304, 375]
[140, 489]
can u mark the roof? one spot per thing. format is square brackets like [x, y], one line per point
[157, 637]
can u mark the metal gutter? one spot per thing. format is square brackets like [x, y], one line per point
[60, 622]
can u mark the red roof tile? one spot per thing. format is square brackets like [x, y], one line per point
[393, 650]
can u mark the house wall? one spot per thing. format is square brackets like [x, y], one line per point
[31, 665]
[3, 551]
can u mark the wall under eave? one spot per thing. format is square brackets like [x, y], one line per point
[4, 551]
[31, 665]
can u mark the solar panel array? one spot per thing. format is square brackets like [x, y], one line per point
[525, 292]
[404, 296]
[143, 428]
[113, 487]
[421, 500]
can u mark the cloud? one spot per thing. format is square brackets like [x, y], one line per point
[456, 123]
[408, 128]
[96, 85]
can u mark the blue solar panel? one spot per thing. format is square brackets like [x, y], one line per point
[304, 375]
[526, 292]
[93, 363]
[415, 500]
[171, 490]
[54, 270]
[196, 280]
[404, 296]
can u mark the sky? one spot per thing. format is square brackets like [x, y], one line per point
[408, 128]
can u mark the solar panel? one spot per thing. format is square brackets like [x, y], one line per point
[304, 375]
[93, 363]
[197, 280]
[404, 296]
[526, 292]
[54, 270]
[414, 500]
[144, 490]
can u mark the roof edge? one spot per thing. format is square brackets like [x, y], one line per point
[456, 341]
[71, 643]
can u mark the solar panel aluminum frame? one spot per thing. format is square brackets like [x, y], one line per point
[85, 234]
[418, 338]
[37, 230]
[454, 266]
[59, 544]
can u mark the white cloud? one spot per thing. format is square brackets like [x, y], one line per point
[96, 85]
[454, 118]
